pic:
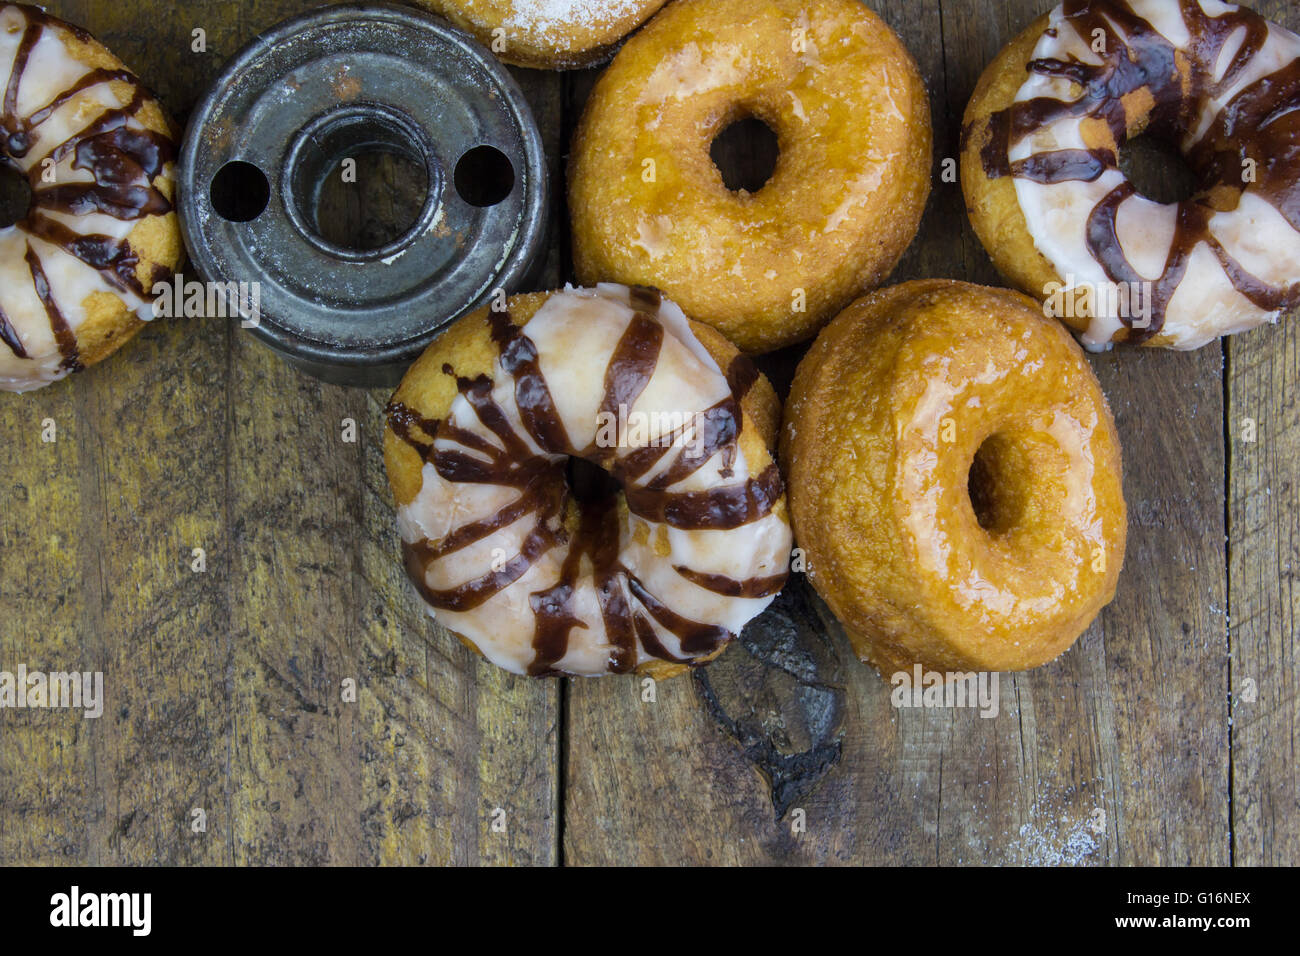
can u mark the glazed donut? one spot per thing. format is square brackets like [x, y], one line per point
[548, 34]
[954, 479]
[656, 564]
[1040, 168]
[95, 149]
[767, 269]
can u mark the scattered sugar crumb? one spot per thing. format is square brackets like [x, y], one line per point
[1050, 840]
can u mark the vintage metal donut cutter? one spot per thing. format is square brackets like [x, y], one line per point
[283, 116]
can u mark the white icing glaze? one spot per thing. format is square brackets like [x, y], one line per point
[1206, 305]
[575, 333]
[51, 70]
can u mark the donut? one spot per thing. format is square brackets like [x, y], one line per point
[954, 479]
[584, 484]
[548, 34]
[768, 268]
[1040, 168]
[95, 151]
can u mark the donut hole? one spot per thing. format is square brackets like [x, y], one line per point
[484, 176]
[1157, 169]
[995, 484]
[589, 483]
[745, 153]
[239, 192]
[15, 196]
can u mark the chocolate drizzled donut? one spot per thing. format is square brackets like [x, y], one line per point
[534, 463]
[124, 161]
[1145, 81]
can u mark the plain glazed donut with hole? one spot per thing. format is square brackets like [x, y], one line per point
[548, 34]
[767, 269]
[1040, 168]
[676, 536]
[95, 150]
[954, 478]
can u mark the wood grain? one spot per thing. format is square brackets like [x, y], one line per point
[1264, 604]
[225, 686]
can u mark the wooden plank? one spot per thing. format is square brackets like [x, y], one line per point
[1264, 605]
[1264, 602]
[46, 787]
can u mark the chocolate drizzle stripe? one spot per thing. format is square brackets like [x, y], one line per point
[473, 593]
[695, 638]
[1261, 123]
[478, 392]
[31, 35]
[83, 199]
[114, 259]
[742, 373]
[9, 335]
[468, 534]
[715, 430]
[92, 79]
[404, 420]
[718, 509]
[1063, 165]
[63, 334]
[519, 358]
[644, 299]
[721, 584]
[634, 361]
[123, 161]
[649, 638]
[629, 612]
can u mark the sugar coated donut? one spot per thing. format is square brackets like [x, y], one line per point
[94, 149]
[1040, 168]
[954, 479]
[663, 544]
[548, 34]
[852, 123]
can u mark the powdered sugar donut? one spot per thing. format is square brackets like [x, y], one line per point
[549, 34]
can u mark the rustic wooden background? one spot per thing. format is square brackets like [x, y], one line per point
[224, 686]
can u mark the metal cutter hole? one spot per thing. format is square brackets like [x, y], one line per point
[361, 181]
[371, 199]
[745, 153]
[484, 176]
[15, 196]
[239, 192]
